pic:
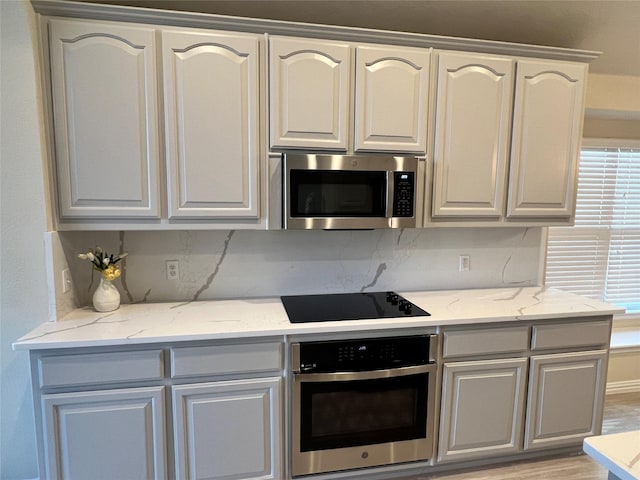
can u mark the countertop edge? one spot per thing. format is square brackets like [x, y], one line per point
[615, 467]
[137, 324]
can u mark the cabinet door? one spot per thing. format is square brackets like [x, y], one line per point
[392, 90]
[213, 123]
[473, 122]
[482, 408]
[105, 435]
[566, 394]
[106, 128]
[228, 430]
[310, 81]
[547, 128]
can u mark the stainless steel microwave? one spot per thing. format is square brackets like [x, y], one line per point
[334, 192]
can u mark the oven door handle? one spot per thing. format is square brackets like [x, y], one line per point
[368, 375]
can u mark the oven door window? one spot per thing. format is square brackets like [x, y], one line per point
[338, 193]
[362, 412]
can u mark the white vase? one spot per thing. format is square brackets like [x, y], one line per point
[106, 298]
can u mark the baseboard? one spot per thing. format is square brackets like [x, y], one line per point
[627, 386]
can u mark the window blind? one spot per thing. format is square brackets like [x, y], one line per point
[599, 257]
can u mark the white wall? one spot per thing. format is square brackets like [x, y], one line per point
[23, 291]
[617, 94]
[612, 106]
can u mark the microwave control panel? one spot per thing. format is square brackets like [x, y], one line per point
[403, 194]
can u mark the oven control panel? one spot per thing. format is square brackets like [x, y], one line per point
[363, 355]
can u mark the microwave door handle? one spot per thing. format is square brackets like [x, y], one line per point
[390, 193]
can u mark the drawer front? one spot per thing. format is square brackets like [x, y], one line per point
[225, 359]
[485, 341]
[566, 335]
[100, 368]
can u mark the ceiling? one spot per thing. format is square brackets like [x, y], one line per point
[609, 26]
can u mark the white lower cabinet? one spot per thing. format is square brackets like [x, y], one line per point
[566, 394]
[482, 408]
[184, 411]
[105, 434]
[214, 410]
[228, 430]
[490, 409]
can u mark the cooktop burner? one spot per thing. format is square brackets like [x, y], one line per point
[348, 306]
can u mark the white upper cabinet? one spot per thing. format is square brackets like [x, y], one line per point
[547, 129]
[392, 89]
[106, 122]
[310, 82]
[314, 104]
[473, 120]
[502, 132]
[212, 94]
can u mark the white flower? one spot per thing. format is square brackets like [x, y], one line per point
[102, 261]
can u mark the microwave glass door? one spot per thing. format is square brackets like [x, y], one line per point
[338, 193]
[362, 412]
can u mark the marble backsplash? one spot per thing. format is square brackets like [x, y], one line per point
[237, 264]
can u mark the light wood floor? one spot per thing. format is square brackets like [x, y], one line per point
[621, 414]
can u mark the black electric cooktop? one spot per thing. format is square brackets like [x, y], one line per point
[348, 306]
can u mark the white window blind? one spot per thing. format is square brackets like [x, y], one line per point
[599, 257]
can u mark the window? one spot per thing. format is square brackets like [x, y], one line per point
[599, 257]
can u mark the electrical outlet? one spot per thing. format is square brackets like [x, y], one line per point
[173, 270]
[66, 280]
[464, 263]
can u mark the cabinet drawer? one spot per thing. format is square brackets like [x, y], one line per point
[100, 368]
[564, 335]
[485, 341]
[225, 359]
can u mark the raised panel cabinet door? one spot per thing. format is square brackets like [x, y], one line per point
[103, 80]
[212, 91]
[473, 123]
[547, 129]
[482, 408]
[392, 91]
[105, 434]
[310, 81]
[229, 429]
[566, 395]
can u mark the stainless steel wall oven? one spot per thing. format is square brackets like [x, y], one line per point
[362, 403]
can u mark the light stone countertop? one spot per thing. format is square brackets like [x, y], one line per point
[618, 452]
[261, 317]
